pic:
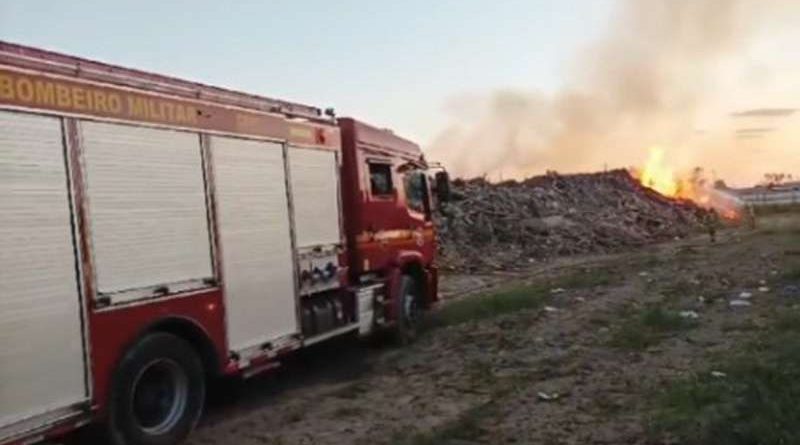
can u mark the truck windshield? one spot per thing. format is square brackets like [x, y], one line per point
[416, 189]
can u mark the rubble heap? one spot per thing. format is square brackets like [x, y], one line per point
[513, 223]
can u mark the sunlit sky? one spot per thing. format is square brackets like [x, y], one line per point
[391, 63]
[423, 68]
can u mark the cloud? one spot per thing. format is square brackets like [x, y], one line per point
[765, 112]
[754, 130]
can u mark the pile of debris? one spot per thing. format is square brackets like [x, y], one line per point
[511, 224]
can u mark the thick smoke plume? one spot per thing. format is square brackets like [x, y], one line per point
[661, 76]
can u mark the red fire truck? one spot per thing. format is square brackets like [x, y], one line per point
[158, 233]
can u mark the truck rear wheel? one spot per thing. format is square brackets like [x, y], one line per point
[409, 311]
[158, 392]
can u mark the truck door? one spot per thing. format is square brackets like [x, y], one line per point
[42, 368]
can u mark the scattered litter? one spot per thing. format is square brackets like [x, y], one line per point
[690, 315]
[762, 282]
[701, 299]
[550, 309]
[763, 289]
[548, 397]
[644, 274]
[739, 303]
[580, 299]
[791, 290]
[557, 290]
[718, 374]
[773, 272]
[745, 295]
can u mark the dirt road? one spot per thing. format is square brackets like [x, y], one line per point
[568, 353]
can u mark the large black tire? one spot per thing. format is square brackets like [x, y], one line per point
[409, 311]
[157, 394]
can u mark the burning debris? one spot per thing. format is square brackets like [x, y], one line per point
[694, 186]
[510, 224]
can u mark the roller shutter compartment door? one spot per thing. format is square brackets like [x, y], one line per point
[315, 196]
[41, 345]
[253, 224]
[147, 207]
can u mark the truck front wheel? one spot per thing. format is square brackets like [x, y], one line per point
[409, 310]
[158, 392]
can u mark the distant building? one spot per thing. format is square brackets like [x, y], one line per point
[779, 194]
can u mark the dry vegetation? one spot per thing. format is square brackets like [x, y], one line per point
[599, 351]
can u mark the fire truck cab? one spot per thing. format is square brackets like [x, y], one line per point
[158, 233]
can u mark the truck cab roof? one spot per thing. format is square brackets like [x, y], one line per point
[376, 139]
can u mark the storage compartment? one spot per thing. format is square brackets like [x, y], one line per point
[315, 196]
[315, 200]
[41, 342]
[318, 270]
[255, 241]
[147, 210]
[327, 312]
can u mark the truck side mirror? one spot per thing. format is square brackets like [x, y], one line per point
[442, 186]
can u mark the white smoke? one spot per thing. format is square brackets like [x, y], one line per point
[667, 74]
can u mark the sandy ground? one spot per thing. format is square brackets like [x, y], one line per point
[554, 375]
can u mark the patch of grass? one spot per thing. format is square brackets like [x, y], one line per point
[490, 305]
[466, 427]
[599, 320]
[293, 415]
[350, 391]
[607, 406]
[517, 298]
[663, 320]
[347, 411]
[687, 251]
[679, 288]
[648, 327]
[649, 261]
[791, 274]
[788, 323]
[588, 278]
[754, 403]
[480, 373]
[738, 326]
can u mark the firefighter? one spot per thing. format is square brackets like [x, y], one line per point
[751, 216]
[710, 220]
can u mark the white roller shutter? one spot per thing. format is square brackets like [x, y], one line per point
[253, 223]
[315, 196]
[41, 348]
[147, 207]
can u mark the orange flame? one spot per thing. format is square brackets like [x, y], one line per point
[659, 176]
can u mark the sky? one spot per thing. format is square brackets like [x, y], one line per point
[394, 64]
[503, 88]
